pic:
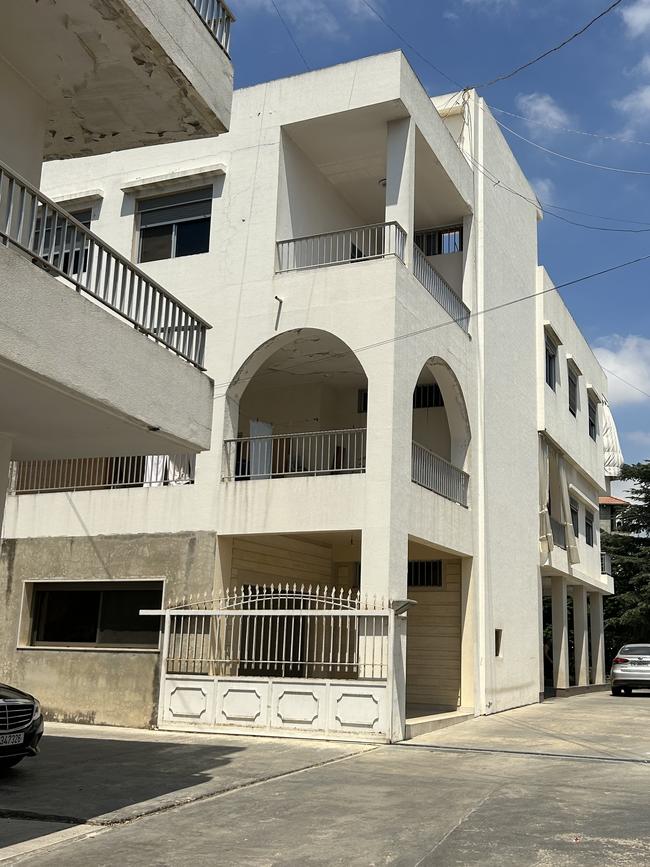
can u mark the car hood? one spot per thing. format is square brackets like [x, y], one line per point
[10, 692]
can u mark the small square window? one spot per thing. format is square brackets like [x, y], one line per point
[425, 573]
[589, 529]
[174, 225]
[427, 396]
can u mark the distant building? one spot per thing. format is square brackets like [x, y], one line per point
[393, 424]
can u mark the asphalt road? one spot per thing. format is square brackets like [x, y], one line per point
[564, 783]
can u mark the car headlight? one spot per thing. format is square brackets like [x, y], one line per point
[37, 710]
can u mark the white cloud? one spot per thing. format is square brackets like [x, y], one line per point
[643, 66]
[541, 112]
[325, 17]
[628, 358]
[635, 106]
[637, 17]
[544, 189]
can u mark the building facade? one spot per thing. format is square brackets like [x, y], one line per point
[395, 474]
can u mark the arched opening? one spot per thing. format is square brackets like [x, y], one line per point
[297, 407]
[441, 433]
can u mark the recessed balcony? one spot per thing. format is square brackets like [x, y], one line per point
[342, 247]
[436, 474]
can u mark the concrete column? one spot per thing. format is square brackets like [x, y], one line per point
[5, 460]
[400, 178]
[581, 636]
[560, 632]
[468, 640]
[597, 637]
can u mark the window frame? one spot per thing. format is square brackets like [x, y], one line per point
[593, 418]
[590, 528]
[550, 356]
[208, 198]
[437, 576]
[431, 242]
[427, 395]
[29, 615]
[574, 510]
[573, 389]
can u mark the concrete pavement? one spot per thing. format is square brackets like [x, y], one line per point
[564, 783]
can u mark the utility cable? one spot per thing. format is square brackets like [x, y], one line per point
[555, 48]
[625, 382]
[291, 36]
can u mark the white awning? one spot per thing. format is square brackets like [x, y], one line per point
[611, 445]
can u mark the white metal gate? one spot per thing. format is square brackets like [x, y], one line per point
[279, 659]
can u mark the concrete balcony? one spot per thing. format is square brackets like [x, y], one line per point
[96, 358]
[117, 74]
[439, 475]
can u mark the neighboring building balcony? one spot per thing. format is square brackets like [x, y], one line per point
[318, 453]
[559, 533]
[64, 248]
[365, 243]
[605, 563]
[218, 18]
[436, 474]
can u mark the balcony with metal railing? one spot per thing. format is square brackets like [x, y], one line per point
[342, 247]
[439, 289]
[317, 453]
[56, 242]
[217, 17]
[436, 474]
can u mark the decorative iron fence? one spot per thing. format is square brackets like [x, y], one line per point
[605, 563]
[343, 247]
[559, 533]
[280, 631]
[438, 475]
[218, 18]
[87, 474]
[320, 453]
[64, 247]
[440, 289]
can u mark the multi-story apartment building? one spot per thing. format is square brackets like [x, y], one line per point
[78, 376]
[406, 453]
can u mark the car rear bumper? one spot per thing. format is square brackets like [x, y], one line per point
[29, 747]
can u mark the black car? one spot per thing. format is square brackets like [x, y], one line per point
[21, 726]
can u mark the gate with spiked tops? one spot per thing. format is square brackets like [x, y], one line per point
[279, 659]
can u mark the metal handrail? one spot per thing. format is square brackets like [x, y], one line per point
[313, 453]
[374, 241]
[217, 17]
[438, 287]
[60, 244]
[439, 475]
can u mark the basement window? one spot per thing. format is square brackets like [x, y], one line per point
[425, 573]
[94, 614]
[174, 225]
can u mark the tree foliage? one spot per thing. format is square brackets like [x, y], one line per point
[627, 613]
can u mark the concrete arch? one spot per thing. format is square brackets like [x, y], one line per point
[456, 416]
[299, 361]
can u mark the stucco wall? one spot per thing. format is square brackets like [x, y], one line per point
[98, 686]
[23, 128]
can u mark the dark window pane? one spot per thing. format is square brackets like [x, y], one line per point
[156, 243]
[193, 237]
[67, 616]
[121, 622]
[425, 573]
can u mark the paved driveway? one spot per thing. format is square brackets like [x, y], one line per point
[563, 783]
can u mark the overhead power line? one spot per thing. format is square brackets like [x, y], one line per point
[550, 51]
[620, 379]
[291, 36]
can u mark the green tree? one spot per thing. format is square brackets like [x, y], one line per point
[627, 613]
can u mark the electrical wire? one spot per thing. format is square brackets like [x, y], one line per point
[555, 48]
[291, 36]
[625, 382]
[571, 159]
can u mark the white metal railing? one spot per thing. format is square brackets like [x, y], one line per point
[438, 475]
[218, 18]
[280, 631]
[440, 289]
[317, 453]
[64, 247]
[87, 474]
[605, 563]
[342, 247]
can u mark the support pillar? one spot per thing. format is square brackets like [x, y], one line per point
[597, 637]
[581, 636]
[5, 460]
[400, 179]
[560, 633]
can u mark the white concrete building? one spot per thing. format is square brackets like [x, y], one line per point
[387, 422]
[78, 376]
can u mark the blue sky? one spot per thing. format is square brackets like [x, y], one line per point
[600, 84]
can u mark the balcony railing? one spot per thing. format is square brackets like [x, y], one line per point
[605, 563]
[436, 474]
[340, 248]
[65, 248]
[559, 533]
[440, 289]
[218, 18]
[89, 474]
[321, 453]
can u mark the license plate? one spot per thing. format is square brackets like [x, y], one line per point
[11, 740]
[643, 662]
